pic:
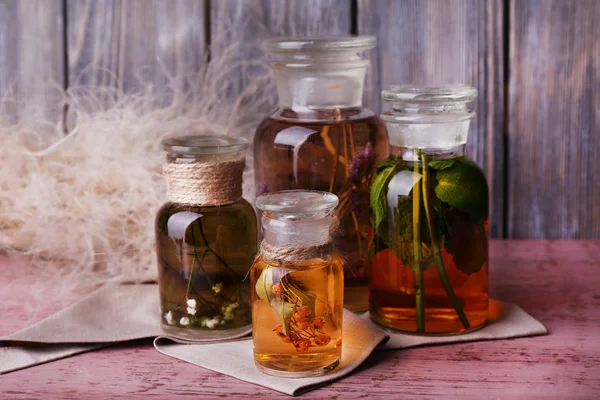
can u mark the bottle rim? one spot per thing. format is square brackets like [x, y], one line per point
[297, 202]
[430, 94]
[204, 144]
[318, 44]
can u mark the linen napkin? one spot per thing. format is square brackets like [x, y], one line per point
[506, 321]
[236, 358]
[114, 313]
[360, 338]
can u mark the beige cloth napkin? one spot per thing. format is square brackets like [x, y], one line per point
[117, 313]
[113, 313]
[236, 358]
[361, 336]
[506, 321]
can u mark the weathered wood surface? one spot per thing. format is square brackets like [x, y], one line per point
[555, 281]
[433, 42]
[31, 59]
[130, 43]
[554, 119]
[250, 22]
[231, 19]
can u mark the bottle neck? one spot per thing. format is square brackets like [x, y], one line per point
[298, 232]
[306, 88]
[204, 180]
[409, 153]
[441, 133]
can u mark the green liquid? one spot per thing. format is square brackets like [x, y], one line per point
[204, 254]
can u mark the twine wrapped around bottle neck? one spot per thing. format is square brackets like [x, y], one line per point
[212, 183]
[298, 252]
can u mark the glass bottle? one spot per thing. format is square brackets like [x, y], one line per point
[429, 270]
[206, 238]
[298, 286]
[321, 138]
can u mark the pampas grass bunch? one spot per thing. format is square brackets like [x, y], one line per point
[83, 203]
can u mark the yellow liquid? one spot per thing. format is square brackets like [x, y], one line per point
[309, 344]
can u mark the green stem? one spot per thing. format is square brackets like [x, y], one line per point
[419, 292]
[439, 263]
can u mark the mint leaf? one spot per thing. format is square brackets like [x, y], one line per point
[442, 164]
[389, 162]
[467, 242]
[464, 186]
[378, 201]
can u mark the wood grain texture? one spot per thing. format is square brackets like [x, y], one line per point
[31, 59]
[554, 119]
[251, 21]
[129, 43]
[232, 19]
[432, 42]
[563, 364]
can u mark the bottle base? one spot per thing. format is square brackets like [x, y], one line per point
[206, 334]
[438, 322]
[297, 374]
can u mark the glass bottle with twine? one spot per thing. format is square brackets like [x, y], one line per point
[297, 284]
[206, 239]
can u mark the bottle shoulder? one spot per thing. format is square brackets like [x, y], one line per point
[241, 206]
[321, 117]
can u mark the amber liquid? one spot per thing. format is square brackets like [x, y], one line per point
[204, 254]
[394, 285]
[312, 294]
[336, 153]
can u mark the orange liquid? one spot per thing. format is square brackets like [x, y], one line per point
[462, 239]
[310, 343]
[393, 296]
[319, 155]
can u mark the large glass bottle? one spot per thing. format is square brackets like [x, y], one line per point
[321, 138]
[297, 286]
[429, 269]
[206, 239]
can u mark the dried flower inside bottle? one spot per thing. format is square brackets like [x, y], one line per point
[298, 286]
[206, 238]
[321, 138]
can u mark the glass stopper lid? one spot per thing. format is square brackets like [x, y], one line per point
[297, 201]
[438, 94]
[204, 144]
[319, 44]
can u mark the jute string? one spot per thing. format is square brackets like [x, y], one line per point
[293, 253]
[205, 183]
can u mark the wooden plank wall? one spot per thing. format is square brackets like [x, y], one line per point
[126, 43]
[445, 42]
[536, 64]
[31, 59]
[554, 119]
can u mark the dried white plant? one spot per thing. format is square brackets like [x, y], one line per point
[83, 204]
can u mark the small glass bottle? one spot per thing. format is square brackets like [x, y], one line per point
[429, 271]
[297, 286]
[321, 138]
[206, 238]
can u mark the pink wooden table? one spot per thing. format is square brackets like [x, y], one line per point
[558, 282]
